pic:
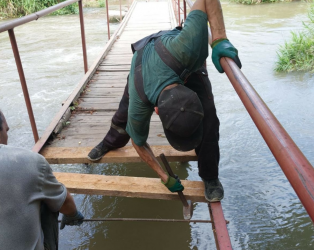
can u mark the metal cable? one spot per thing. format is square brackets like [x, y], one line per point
[146, 220]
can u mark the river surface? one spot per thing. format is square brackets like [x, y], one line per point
[263, 210]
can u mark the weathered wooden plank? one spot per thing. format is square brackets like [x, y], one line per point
[84, 130]
[135, 187]
[65, 155]
[94, 139]
[98, 106]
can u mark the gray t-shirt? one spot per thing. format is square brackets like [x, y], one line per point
[26, 179]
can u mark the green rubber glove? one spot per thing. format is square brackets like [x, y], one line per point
[173, 184]
[223, 48]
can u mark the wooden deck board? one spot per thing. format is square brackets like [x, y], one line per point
[135, 187]
[69, 155]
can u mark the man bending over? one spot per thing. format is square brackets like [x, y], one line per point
[168, 75]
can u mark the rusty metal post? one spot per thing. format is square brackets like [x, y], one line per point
[107, 10]
[184, 8]
[83, 36]
[219, 225]
[120, 12]
[179, 20]
[23, 83]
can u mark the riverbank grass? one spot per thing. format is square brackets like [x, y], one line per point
[298, 53]
[18, 8]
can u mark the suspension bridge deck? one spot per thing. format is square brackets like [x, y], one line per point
[90, 119]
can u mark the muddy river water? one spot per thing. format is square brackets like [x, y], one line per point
[263, 210]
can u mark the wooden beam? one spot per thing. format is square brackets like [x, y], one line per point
[64, 155]
[136, 187]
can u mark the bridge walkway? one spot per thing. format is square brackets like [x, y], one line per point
[91, 114]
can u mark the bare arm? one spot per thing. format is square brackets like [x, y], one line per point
[68, 208]
[147, 155]
[215, 17]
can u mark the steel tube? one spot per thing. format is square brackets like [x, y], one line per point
[179, 21]
[293, 163]
[120, 12]
[83, 36]
[184, 9]
[219, 225]
[146, 220]
[107, 10]
[23, 83]
[17, 22]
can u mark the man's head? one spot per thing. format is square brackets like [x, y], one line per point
[181, 114]
[4, 128]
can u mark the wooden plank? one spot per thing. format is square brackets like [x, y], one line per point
[122, 186]
[61, 155]
[93, 139]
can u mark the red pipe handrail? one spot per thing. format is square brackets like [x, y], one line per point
[298, 170]
[10, 25]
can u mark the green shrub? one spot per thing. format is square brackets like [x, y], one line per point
[17, 8]
[102, 3]
[298, 53]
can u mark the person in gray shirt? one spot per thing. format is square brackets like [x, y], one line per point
[27, 187]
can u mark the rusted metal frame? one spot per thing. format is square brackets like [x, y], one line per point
[83, 36]
[77, 91]
[23, 83]
[294, 164]
[179, 20]
[9, 26]
[172, 14]
[107, 11]
[219, 226]
[175, 11]
[120, 13]
[145, 220]
[184, 9]
[17, 22]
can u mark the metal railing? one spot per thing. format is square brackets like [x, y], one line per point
[179, 11]
[298, 170]
[9, 26]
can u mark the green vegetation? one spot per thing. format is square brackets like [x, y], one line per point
[17, 8]
[298, 53]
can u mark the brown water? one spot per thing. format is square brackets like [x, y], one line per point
[262, 208]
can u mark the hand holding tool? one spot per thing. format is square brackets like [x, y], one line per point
[187, 204]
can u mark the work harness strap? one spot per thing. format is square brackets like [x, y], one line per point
[141, 43]
[138, 78]
[171, 61]
[165, 56]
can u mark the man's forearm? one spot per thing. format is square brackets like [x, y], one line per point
[147, 155]
[215, 19]
[214, 15]
[68, 207]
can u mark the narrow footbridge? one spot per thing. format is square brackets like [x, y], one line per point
[83, 128]
[85, 117]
